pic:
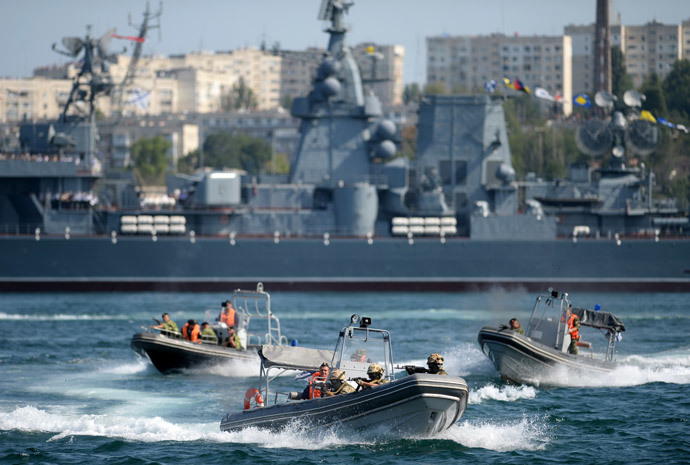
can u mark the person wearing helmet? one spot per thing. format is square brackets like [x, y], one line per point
[435, 364]
[338, 384]
[375, 373]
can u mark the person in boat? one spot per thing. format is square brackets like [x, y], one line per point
[191, 330]
[316, 378]
[167, 325]
[375, 373]
[227, 314]
[360, 355]
[208, 334]
[233, 340]
[435, 364]
[515, 325]
[338, 384]
[574, 331]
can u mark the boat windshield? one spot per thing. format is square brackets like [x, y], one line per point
[359, 347]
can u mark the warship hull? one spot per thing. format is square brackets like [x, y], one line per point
[417, 405]
[93, 263]
[170, 355]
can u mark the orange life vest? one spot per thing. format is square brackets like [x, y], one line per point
[228, 316]
[313, 379]
[255, 395]
[572, 329]
[191, 334]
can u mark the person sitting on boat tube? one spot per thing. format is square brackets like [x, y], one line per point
[233, 340]
[168, 325]
[435, 364]
[375, 373]
[208, 334]
[338, 384]
[514, 324]
[227, 314]
[191, 330]
[317, 378]
[574, 331]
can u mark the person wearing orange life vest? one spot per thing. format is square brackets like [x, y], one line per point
[317, 377]
[227, 314]
[191, 330]
[574, 331]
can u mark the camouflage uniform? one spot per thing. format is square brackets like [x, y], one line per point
[435, 363]
[209, 335]
[519, 330]
[170, 326]
[337, 377]
[375, 373]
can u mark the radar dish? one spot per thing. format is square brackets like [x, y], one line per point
[604, 99]
[633, 98]
[104, 43]
[594, 137]
[642, 136]
[73, 45]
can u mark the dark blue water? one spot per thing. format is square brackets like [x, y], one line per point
[73, 392]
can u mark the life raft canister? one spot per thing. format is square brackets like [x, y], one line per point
[255, 395]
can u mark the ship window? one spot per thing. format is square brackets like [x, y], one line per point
[460, 172]
[460, 200]
[445, 171]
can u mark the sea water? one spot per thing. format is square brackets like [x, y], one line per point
[73, 392]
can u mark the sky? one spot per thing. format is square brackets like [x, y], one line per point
[28, 28]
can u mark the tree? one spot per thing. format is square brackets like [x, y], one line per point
[411, 93]
[278, 164]
[408, 142]
[676, 88]
[435, 88]
[286, 101]
[151, 159]
[620, 79]
[655, 102]
[223, 150]
[240, 97]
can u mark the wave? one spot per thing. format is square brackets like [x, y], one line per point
[157, 429]
[525, 434]
[62, 317]
[632, 370]
[501, 393]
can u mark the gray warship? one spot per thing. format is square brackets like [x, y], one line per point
[350, 216]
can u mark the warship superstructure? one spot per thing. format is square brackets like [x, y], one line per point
[351, 215]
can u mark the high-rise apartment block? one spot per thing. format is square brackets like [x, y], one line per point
[465, 63]
[195, 82]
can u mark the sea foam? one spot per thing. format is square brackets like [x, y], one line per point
[523, 434]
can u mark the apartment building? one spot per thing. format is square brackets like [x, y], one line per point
[650, 48]
[382, 70]
[465, 63]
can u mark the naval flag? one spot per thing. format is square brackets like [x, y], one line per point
[543, 93]
[140, 98]
[582, 100]
[490, 86]
[665, 122]
[647, 116]
[520, 86]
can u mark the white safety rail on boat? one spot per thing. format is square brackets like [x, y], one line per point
[257, 305]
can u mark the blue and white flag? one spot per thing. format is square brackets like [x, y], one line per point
[140, 98]
[543, 93]
[665, 122]
[490, 86]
